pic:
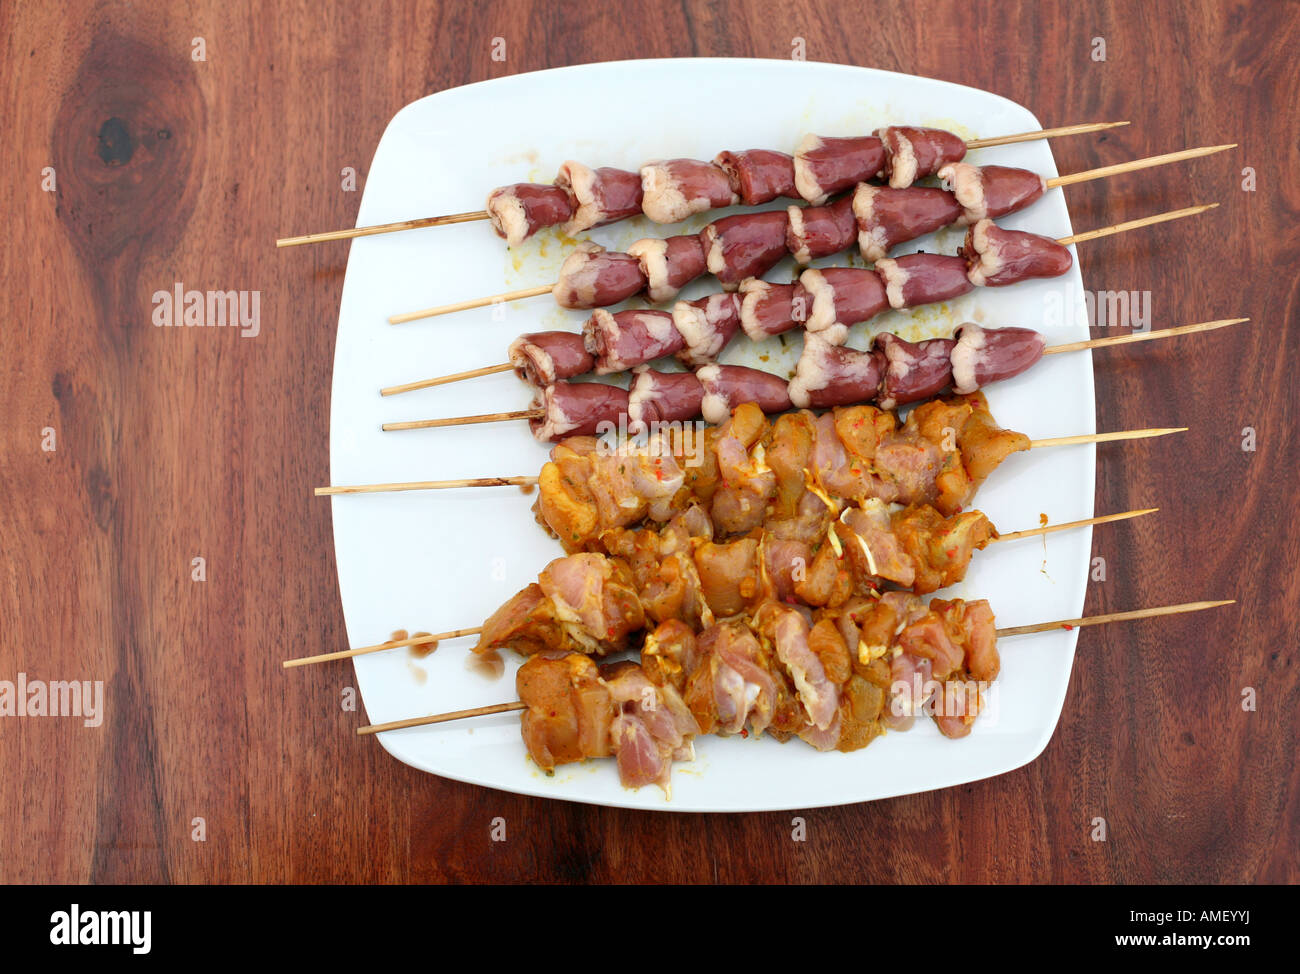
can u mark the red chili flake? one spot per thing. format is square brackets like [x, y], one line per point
[744, 732]
[952, 552]
[1067, 627]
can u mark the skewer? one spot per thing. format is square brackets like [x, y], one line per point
[473, 215]
[1067, 180]
[532, 481]
[422, 424]
[1150, 162]
[500, 708]
[1146, 221]
[436, 637]
[429, 221]
[431, 485]
[537, 412]
[439, 637]
[1144, 336]
[1164, 610]
[1066, 526]
[496, 708]
[1082, 129]
[1106, 437]
[445, 379]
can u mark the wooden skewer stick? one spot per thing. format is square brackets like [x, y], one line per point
[1066, 526]
[501, 708]
[532, 481]
[436, 637]
[1083, 129]
[1146, 221]
[424, 424]
[439, 637]
[430, 485]
[1144, 336]
[532, 292]
[1150, 162]
[1164, 610]
[442, 380]
[473, 215]
[496, 708]
[446, 309]
[1106, 437]
[429, 221]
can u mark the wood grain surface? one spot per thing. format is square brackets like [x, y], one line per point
[176, 444]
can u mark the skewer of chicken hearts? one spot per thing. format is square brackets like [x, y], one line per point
[584, 197]
[834, 298]
[837, 680]
[891, 373]
[748, 245]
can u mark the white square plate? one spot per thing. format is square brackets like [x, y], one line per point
[445, 560]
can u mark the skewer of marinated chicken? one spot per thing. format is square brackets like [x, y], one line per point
[837, 680]
[860, 449]
[602, 601]
[746, 246]
[749, 471]
[583, 197]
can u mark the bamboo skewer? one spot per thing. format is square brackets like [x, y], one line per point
[1082, 129]
[1067, 180]
[496, 708]
[429, 221]
[473, 215]
[439, 637]
[424, 424]
[436, 637]
[531, 481]
[446, 309]
[430, 485]
[1067, 525]
[501, 708]
[1164, 610]
[1106, 437]
[443, 380]
[1144, 336]
[1150, 162]
[1146, 221]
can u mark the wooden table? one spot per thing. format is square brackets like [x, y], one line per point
[172, 444]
